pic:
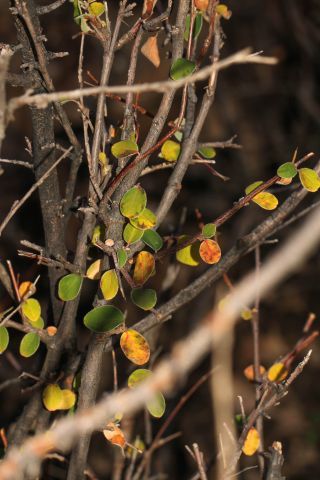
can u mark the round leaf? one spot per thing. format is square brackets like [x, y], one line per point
[124, 148]
[170, 151]
[252, 442]
[287, 170]
[209, 230]
[4, 339]
[145, 220]
[26, 288]
[144, 267]
[135, 347]
[109, 284]
[39, 323]
[181, 68]
[309, 179]
[69, 287]
[145, 298]
[266, 200]
[157, 406]
[138, 376]
[31, 309]
[152, 239]
[29, 344]
[253, 186]
[96, 8]
[133, 202]
[188, 255]
[103, 319]
[210, 251]
[68, 399]
[131, 234]
[201, 4]
[52, 397]
[249, 372]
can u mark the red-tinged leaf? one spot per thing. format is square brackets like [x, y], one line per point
[148, 7]
[210, 251]
[144, 267]
[114, 435]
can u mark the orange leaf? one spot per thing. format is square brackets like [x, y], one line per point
[51, 331]
[143, 268]
[135, 347]
[151, 52]
[249, 372]
[115, 435]
[210, 251]
[26, 288]
[252, 442]
[201, 4]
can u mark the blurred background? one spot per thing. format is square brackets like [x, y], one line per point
[273, 111]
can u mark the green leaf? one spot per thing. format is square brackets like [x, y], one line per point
[133, 202]
[122, 257]
[188, 255]
[29, 344]
[209, 230]
[170, 151]
[252, 187]
[309, 179]
[138, 376]
[109, 284]
[131, 234]
[145, 298]
[145, 220]
[69, 287]
[103, 319]
[52, 397]
[4, 339]
[98, 232]
[207, 152]
[31, 309]
[152, 239]
[196, 27]
[38, 324]
[182, 68]
[287, 170]
[124, 148]
[157, 406]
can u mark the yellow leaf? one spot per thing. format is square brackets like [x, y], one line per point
[223, 11]
[68, 399]
[96, 8]
[170, 151]
[188, 255]
[109, 284]
[52, 397]
[246, 314]
[94, 270]
[135, 347]
[266, 200]
[144, 267]
[277, 372]
[151, 52]
[309, 179]
[252, 442]
[31, 309]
